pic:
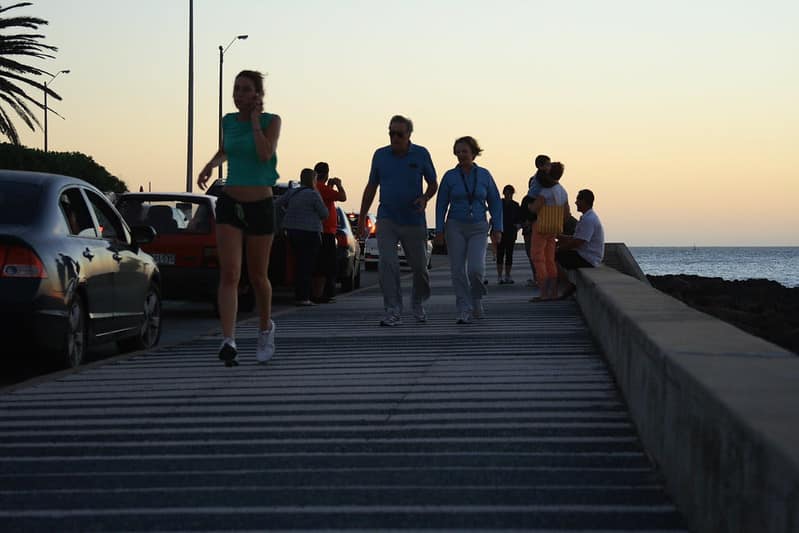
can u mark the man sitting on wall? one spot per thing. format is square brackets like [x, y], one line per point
[586, 247]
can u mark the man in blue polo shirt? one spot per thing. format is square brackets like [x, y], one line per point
[398, 169]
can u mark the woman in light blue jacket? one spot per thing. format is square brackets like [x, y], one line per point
[467, 192]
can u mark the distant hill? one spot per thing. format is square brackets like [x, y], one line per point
[75, 164]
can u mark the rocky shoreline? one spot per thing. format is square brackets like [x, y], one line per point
[761, 307]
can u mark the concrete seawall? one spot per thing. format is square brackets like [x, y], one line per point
[717, 408]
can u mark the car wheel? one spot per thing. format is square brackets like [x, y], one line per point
[370, 266]
[348, 283]
[150, 330]
[75, 343]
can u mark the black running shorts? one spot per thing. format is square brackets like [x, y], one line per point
[253, 218]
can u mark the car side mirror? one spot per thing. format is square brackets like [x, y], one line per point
[143, 234]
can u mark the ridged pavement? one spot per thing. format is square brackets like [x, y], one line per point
[510, 423]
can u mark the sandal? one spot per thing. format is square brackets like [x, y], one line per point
[568, 292]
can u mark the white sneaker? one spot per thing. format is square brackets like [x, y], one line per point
[391, 320]
[477, 310]
[228, 352]
[464, 318]
[265, 347]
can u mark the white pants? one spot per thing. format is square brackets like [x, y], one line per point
[466, 247]
[413, 240]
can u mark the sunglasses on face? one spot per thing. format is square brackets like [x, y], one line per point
[396, 133]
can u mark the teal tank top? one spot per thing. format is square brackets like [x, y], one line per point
[244, 165]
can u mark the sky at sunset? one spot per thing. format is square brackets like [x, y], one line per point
[681, 116]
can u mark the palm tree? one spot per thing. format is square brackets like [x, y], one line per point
[13, 72]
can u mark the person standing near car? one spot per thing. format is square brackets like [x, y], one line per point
[305, 213]
[331, 191]
[398, 170]
[466, 194]
[245, 211]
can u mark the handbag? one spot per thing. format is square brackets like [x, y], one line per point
[550, 219]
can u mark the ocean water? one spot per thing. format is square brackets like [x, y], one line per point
[780, 264]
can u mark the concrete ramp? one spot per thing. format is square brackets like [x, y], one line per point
[510, 423]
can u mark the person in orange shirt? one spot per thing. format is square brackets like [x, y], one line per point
[331, 190]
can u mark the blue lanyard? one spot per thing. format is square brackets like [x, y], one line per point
[469, 194]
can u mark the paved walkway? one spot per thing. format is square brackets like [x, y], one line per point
[509, 423]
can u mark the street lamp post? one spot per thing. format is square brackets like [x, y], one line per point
[190, 113]
[52, 78]
[221, 60]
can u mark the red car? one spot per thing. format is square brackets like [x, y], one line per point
[185, 243]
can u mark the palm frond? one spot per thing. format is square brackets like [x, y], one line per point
[22, 22]
[19, 4]
[22, 110]
[28, 81]
[15, 74]
[7, 127]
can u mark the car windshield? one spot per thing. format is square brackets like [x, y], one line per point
[167, 216]
[19, 202]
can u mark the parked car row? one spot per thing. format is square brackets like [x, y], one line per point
[76, 270]
[186, 251]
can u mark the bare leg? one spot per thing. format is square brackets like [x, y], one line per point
[259, 248]
[229, 244]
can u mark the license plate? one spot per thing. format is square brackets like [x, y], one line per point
[164, 259]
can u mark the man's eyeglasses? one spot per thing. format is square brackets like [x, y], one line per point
[395, 133]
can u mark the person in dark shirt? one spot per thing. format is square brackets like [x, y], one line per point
[510, 219]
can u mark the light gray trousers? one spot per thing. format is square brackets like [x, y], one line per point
[413, 240]
[466, 247]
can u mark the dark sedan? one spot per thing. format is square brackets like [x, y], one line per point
[71, 271]
[348, 254]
